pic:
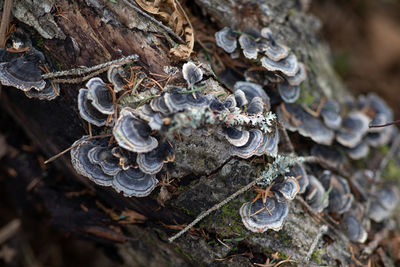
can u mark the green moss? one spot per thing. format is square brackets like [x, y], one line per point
[306, 98]
[341, 62]
[284, 237]
[181, 251]
[40, 44]
[392, 171]
[384, 149]
[315, 256]
[283, 255]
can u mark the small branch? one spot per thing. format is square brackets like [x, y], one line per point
[73, 146]
[321, 231]
[159, 24]
[5, 21]
[384, 125]
[83, 71]
[215, 207]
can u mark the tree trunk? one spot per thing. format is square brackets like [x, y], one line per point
[75, 33]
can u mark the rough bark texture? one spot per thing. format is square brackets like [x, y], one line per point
[94, 31]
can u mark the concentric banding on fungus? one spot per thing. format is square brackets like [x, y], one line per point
[288, 66]
[299, 173]
[249, 46]
[299, 77]
[100, 96]
[251, 147]
[353, 229]
[133, 182]
[230, 102]
[288, 93]
[50, 92]
[114, 75]
[287, 189]
[88, 112]
[340, 197]
[359, 151]
[354, 127]
[331, 114]
[192, 73]
[330, 154]
[103, 157]
[255, 107]
[22, 74]
[158, 105]
[133, 134]
[153, 161]
[240, 98]
[315, 195]
[175, 101]
[196, 100]
[236, 137]
[251, 90]
[226, 39]
[258, 217]
[81, 163]
[269, 145]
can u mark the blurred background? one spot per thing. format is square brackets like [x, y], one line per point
[364, 36]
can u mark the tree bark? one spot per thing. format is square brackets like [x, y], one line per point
[94, 31]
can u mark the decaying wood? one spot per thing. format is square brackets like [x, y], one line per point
[92, 32]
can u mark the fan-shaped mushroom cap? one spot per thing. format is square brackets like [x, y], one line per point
[100, 95]
[299, 77]
[103, 157]
[158, 104]
[50, 92]
[192, 73]
[288, 93]
[196, 100]
[315, 195]
[259, 217]
[153, 161]
[175, 101]
[359, 151]
[354, 127]
[330, 154]
[380, 111]
[380, 138]
[156, 122]
[288, 66]
[340, 197]
[330, 114]
[114, 75]
[88, 112]
[216, 105]
[226, 39]
[132, 133]
[273, 50]
[81, 163]
[145, 112]
[269, 145]
[249, 46]
[298, 171]
[384, 203]
[240, 98]
[251, 147]
[353, 228]
[230, 102]
[236, 137]
[266, 33]
[294, 117]
[251, 90]
[22, 74]
[134, 182]
[255, 107]
[286, 190]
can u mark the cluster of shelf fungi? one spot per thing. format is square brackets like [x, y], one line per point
[138, 140]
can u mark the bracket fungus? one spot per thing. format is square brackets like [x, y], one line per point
[226, 39]
[22, 74]
[354, 127]
[134, 182]
[288, 66]
[100, 96]
[288, 93]
[251, 90]
[88, 112]
[384, 203]
[192, 73]
[132, 133]
[315, 195]
[287, 189]
[353, 228]
[331, 114]
[258, 216]
[249, 46]
[340, 196]
[251, 147]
